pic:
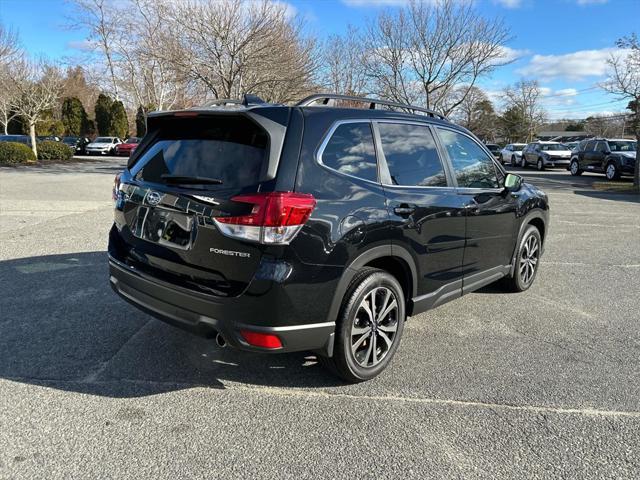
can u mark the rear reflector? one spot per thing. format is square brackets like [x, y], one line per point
[276, 217]
[264, 340]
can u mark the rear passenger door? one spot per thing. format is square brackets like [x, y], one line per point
[490, 212]
[426, 214]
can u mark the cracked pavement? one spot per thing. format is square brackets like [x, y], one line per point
[543, 384]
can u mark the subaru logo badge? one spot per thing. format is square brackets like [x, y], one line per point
[153, 198]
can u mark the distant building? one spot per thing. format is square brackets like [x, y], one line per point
[562, 136]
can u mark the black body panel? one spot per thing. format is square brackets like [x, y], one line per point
[442, 241]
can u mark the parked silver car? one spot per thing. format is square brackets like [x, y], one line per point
[103, 146]
[512, 153]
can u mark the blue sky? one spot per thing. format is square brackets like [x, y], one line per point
[561, 43]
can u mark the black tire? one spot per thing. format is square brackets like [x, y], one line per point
[368, 283]
[574, 168]
[612, 172]
[539, 165]
[523, 162]
[517, 282]
[514, 161]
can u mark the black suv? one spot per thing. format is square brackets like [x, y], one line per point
[316, 227]
[612, 157]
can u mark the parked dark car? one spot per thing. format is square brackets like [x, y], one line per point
[47, 138]
[25, 139]
[545, 154]
[314, 227]
[496, 150]
[77, 143]
[613, 157]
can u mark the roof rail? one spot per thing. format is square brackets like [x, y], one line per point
[373, 102]
[247, 100]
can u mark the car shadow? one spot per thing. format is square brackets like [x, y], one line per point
[615, 196]
[110, 166]
[62, 326]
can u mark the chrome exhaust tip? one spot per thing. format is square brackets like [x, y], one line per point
[220, 341]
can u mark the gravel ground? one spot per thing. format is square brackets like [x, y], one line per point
[543, 384]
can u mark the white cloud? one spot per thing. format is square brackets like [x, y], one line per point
[508, 3]
[509, 54]
[571, 66]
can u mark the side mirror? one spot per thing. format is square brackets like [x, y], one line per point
[512, 182]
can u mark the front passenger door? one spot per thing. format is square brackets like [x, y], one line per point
[490, 211]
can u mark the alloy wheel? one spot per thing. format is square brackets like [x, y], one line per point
[374, 327]
[574, 167]
[611, 171]
[529, 256]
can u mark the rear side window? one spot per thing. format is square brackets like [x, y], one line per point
[230, 149]
[351, 150]
[472, 166]
[411, 155]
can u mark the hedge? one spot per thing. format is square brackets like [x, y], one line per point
[48, 150]
[15, 153]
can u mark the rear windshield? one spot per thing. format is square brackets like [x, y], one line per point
[230, 149]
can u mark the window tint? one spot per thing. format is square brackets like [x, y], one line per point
[472, 166]
[590, 145]
[351, 150]
[411, 155]
[601, 147]
[230, 149]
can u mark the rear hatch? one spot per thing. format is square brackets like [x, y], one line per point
[183, 177]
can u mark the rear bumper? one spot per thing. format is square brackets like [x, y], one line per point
[202, 315]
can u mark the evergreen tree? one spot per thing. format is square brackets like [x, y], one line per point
[74, 117]
[103, 111]
[141, 119]
[119, 121]
[141, 123]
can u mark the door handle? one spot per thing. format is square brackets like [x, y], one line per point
[404, 210]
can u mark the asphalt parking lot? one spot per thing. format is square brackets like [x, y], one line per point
[543, 384]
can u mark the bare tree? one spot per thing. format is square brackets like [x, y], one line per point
[624, 82]
[101, 19]
[9, 44]
[476, 113]
[427, 50]
[234, 47]
[38, 86]
[525, 97]
[605, 125]
[344, 59]
[9, 52]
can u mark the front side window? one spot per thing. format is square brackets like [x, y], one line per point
[590, 146]
[411, 155]
[601, 147]
[351, 150]
[472, 166]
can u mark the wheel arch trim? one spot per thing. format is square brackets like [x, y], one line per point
[374, 253]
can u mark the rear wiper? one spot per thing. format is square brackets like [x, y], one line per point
[185, 180]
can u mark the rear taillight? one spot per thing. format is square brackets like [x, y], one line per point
[275, 219]
[116, 187]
